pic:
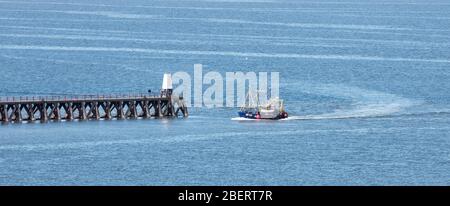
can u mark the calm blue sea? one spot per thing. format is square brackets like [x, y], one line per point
[366, 84]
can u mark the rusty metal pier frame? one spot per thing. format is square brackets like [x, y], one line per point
[51, 108]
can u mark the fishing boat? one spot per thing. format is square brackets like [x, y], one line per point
[254, 109]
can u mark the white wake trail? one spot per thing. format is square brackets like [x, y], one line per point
[366, 103]
[371, 110]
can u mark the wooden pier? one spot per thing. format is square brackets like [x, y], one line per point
[19, 109]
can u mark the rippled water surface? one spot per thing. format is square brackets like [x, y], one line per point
[365, 82]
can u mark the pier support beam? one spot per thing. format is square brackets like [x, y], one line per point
[108, 110]
[170, 108]
[17, 113]
[119, 110]
[145, 109]
[69, 111]
[57, 115]
[30, 112]
[82, 111]
[4, 111]
[158, 109]
[43, 111]
[133, 109]
[96, 113]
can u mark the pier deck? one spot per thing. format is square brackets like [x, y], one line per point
[18, 109]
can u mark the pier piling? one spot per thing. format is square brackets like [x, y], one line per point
[13, 109]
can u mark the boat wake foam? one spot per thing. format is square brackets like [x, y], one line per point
[376, 110]
[366, 103]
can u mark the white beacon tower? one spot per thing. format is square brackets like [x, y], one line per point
[166, 88]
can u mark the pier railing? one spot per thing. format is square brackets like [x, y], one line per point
[49, 98]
